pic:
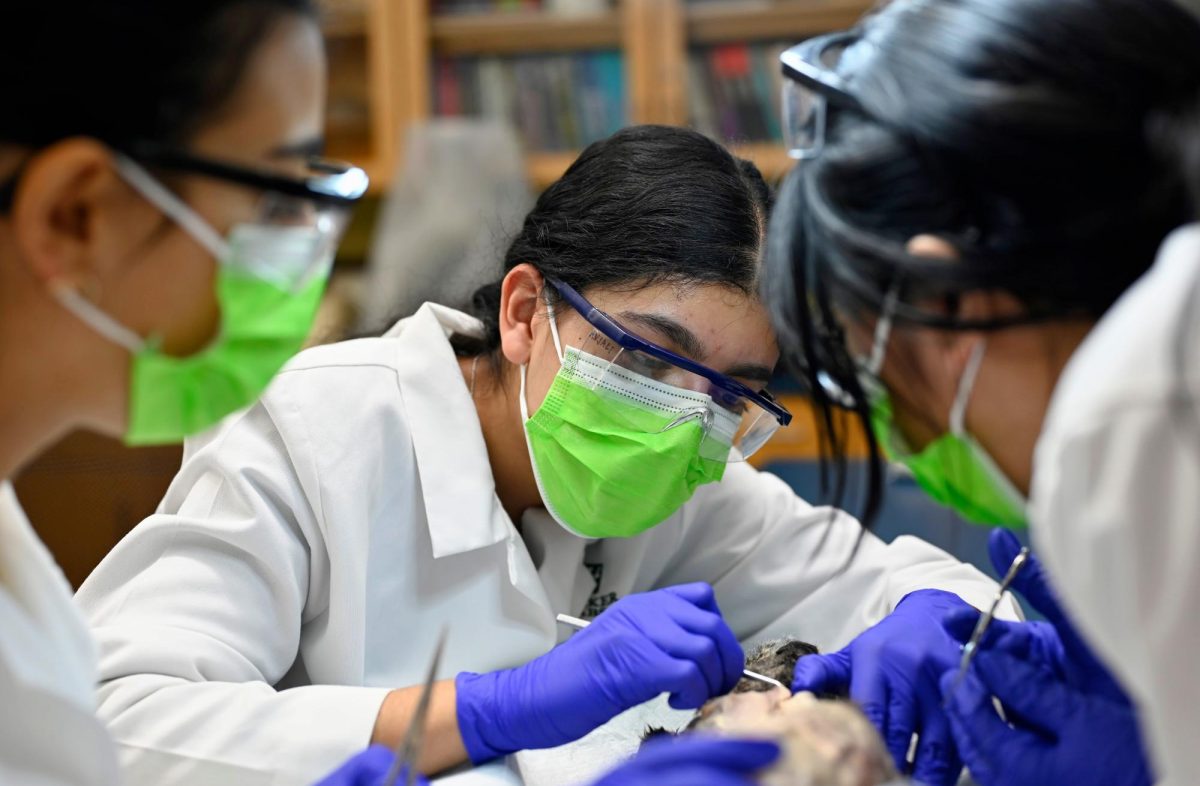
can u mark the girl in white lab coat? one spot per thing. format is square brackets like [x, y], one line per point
[481, 474]
[158, 207]
[957, 268]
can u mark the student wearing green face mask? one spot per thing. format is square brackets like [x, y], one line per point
[575, 444]
[165, 236]
[1016, 323]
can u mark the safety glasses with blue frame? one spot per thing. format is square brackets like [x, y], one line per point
[757, 414]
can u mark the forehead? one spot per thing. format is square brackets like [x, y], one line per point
[279, 96]
[731, 326]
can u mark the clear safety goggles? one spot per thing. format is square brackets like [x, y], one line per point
[810, 86]
[297, 225]
[735, 419]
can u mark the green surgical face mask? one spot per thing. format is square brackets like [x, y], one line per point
[268, 285]
[954, 469]
[608, 464]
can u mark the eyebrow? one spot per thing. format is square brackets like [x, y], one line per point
[691, 347]
[754, 372]
[305, 148]
[680, 336]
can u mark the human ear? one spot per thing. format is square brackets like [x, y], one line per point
[71, 215]
[931, 247]
[520, 297]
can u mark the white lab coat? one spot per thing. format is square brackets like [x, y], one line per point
[49, 733]
[1116, 497]
[311, 549]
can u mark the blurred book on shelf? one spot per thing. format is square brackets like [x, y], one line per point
[565, 7]
[484, 6]
[557, 102]
[734, 91]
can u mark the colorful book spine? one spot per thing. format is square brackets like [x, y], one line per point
[556, 102]
[734, 92]
[485, 6]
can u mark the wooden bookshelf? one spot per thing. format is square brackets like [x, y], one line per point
[545, 168]
[391, 46]
[770, 157]
[757, 20]
[523, 33]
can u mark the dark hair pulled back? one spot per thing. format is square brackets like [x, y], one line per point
[648, 205]
[124, 71]
[1023, 132]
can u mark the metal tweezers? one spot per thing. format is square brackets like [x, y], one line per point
[578, 624]
[985, 620]
[409, 749]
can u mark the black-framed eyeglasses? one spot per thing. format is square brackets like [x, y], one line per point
[331, 183]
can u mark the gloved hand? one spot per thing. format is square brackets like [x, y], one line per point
[1059, 735]
[1054, 644]
[694, 760]
[368, 768]
[671, 640]
[1070, 719]
[892, 671]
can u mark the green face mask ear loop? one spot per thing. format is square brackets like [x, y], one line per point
[171, 206]
[966, 386]
[558, 350]
[883, 332]
[91, 315]
[261, 327]
[1009, 507]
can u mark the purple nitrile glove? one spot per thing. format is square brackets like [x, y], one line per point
[1055, 734]
[1068, 717]
[892, 672]
[368, 768]
[671, 640]
[1054, 643]
[694, 760]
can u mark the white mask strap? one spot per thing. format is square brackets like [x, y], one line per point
[96, 319]
[524, 404]
[557, 349]
[172, 206]
[554, 331]
[966, 385]
[883, 332]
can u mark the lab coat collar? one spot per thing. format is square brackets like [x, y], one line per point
[457, 485]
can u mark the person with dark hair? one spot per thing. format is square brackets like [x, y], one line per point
[575, 446]
[954, 262]
[165, 236]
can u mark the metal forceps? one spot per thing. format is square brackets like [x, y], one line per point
[985, 620]
[578, 624]
[409, 749]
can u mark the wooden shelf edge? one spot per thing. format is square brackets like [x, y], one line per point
[344, 28]
[771, 20]
[517, 33]
[770, 157]
[544, 168]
